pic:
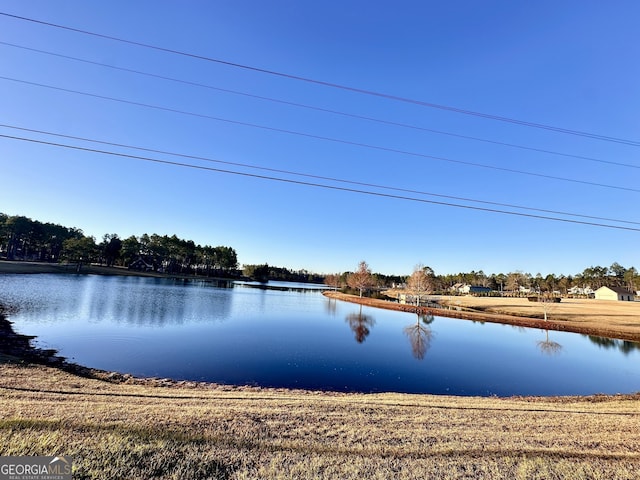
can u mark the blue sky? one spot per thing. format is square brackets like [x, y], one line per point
[571, 65]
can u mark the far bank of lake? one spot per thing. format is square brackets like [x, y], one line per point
[606, 318]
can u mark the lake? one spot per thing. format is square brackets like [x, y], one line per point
[299, 339]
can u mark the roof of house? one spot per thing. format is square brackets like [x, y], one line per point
[621, 290]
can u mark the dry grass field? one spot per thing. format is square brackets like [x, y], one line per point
[607, 315]
[569, 309]
[177, 430]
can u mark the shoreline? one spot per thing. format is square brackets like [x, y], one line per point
[17, 267]
[493, 317]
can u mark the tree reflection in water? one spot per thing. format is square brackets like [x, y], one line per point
[549, 346]
[331, 306]
[360, 324]
[420, 335]
[623, 346]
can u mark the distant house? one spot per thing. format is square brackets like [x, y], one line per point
[466, 289]
[580, 291]
[141, 265]
[478, 290]
[459, 288]
[614, 293]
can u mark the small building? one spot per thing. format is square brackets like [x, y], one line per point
[614, 293]
[580, 291]
[461, 288]
[466, 289]
[141, 265]
[479, 290]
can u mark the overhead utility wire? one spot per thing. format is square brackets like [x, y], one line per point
[317, 177]
[318, 185]
[319, 137]
[318, 109]
[336, 85]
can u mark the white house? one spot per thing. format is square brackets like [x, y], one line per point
[459, 288]
[614, 293]
[466, 289]
[580, 291]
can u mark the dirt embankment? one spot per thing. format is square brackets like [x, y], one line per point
[619, 320]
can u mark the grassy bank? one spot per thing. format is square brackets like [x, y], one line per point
[163, 429]
[18, 267]
[40, 267]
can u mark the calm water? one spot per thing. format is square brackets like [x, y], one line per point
[300, 339]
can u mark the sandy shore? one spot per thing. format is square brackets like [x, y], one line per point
[619, 320]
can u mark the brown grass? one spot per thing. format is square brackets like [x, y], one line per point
[623, 317]
[189, 430]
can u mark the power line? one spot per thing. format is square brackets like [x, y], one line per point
[335, 85]
[319, 109]
[317, 185]
[317, 177]
[319, 137]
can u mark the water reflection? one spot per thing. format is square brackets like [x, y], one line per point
[623, 346]
[159, 305]
[360, 324]
[549, 347]
[331, 306]
[420, 335]
[121, 300]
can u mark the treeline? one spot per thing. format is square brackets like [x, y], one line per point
[265, 272]
[590, 278]
[24, 239]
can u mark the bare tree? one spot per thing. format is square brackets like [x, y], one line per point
[632, 279]
[420, 283]
[333, 280]
[547, 300]
[515, 280]
[361, 279]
